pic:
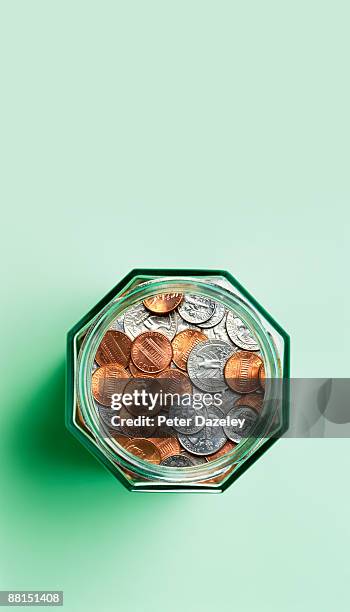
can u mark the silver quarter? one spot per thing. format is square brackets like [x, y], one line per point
[219, 332]
[218, 315]
[240, 334]
[206, 363]
[236, 433]
[207, 441]
[118, 324]
[177, 461]
[196, 308]
[138, 319]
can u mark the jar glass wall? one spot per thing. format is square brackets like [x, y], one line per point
[271, 344]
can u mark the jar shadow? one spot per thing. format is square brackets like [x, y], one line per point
[42, 441]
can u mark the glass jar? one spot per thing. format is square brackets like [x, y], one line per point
[133, 471]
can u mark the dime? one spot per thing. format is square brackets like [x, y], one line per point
[251, 400]
[177, 461]
[208, 440]
[242, 372]
[216, 317]
[163, 302]
[107, 380]
[196, 308]
[227, 448]
[144, 449]
[151, 352]
[137, 320]
[240, 334]
[142, 391]
[115, 348]
[206, 363]
[174, 381]
[183, 344]
[235, 432]
[166, 446]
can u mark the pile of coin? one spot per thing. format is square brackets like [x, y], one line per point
[186, 342]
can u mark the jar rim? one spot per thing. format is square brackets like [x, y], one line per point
[116, 307]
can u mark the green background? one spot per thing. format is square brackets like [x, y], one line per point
[162, 134]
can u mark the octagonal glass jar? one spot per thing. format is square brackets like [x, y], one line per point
[82, 416]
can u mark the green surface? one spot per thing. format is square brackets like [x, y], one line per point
[158, 134]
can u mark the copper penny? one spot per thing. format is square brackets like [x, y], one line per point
[183, 343]
[262, 375]
[144, 449]
[115, 347]
[228, 446]
[138, 373]
[166, 446]
[151, 352]
[107, 380]
[242, 371]
[122, 440]
[163, 303]
[175, 381]
[252, 400]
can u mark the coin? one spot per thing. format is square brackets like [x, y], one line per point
[188, 413]
[195, 459]
[118, 324]
[262, 375]
[163, 302]
[235, 432]
[144, 449]
[105, 418]
[174, 381]
[206, 363]
[107, 380]
[219, 332]
[209, 439]
[196, 308]
[121, 439]
[227, 448]
[138, 373]
[131, 426]
[183, 343]
[228, 399]
[177, 461]
[166, 446]
[251, 400]
[216, 317]
[242, 372]
[115, 348]
[240, 334]
[151, 352]
[137, 320]
[139, 395]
